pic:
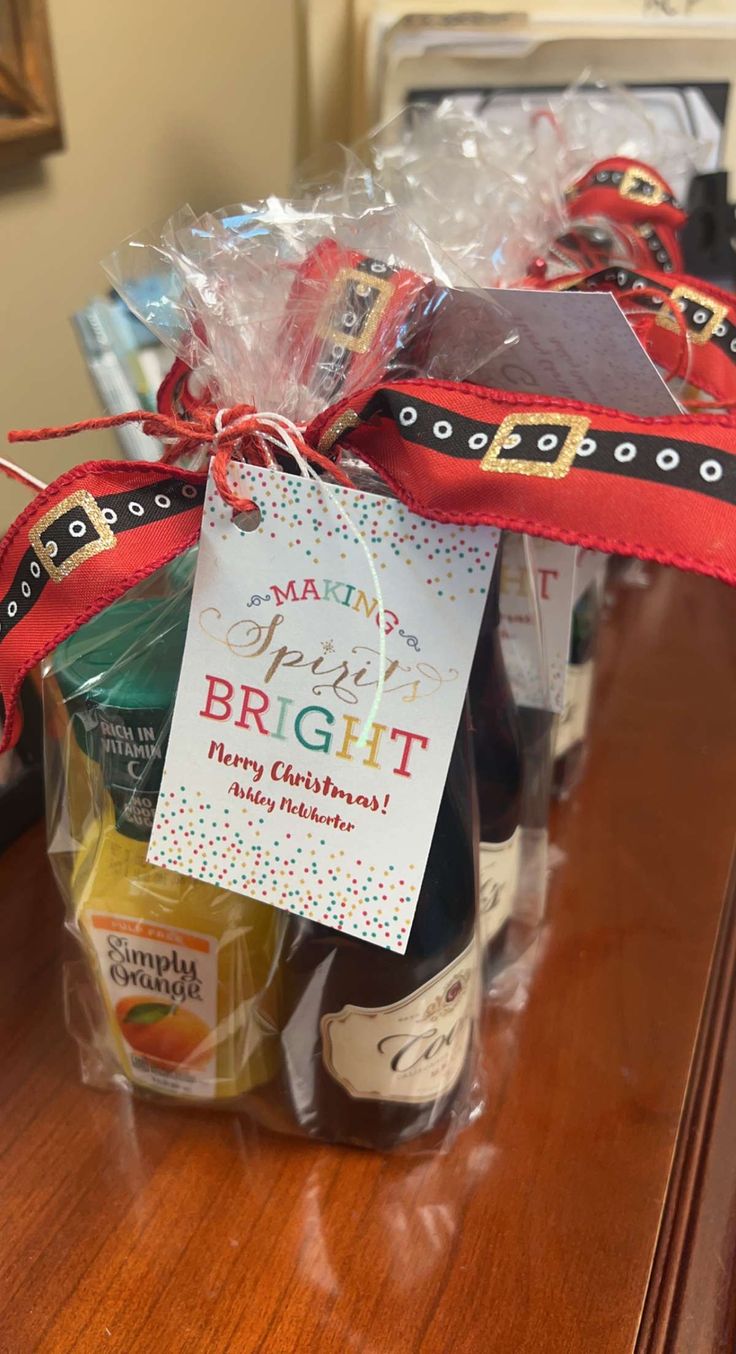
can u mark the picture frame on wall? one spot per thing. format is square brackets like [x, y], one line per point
[30, 119]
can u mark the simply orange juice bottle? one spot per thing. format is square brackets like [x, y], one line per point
[178, 963]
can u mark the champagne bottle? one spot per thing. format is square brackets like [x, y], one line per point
[177, 962]
[573, 722]
[377, 1047]
[498, 762]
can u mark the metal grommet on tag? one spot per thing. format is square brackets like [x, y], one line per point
[247, 521]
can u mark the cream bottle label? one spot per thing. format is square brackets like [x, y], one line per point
[574, 718]
[161, 988]
[498, 878]
[412, 1051]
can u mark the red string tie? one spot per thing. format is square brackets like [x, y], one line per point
[238, 433]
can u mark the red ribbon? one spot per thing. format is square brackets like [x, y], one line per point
[658, 488]
[230, 434]
[128, 519]
[640, 202]
[687, 326]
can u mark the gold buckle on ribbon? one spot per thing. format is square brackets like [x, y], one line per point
[336, 429]
[577, 426]
[718, 313]
[627, 187]
[382, 289]
[90, 509]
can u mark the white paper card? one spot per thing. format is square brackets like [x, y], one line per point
[578, 346]
[265, 790]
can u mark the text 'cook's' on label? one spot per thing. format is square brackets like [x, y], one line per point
[411, 1051]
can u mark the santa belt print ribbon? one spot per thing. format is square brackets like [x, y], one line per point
[80, 527]
[631, 181]
[547, 444]
[84, 541]
[660, 488]
[707, 315]
[640, 202]
[707, 312]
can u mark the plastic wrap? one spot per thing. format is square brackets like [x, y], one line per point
[202, 996]
[491, 198]
[176, 964]
[595, 120]
[571, 726]
[188, 992]
[584, 125]
[490, 186]
[285, 307]
[490, 203]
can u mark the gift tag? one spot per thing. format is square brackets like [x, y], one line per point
[266, 789]
[537, 674]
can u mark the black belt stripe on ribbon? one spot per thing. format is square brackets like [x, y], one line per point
[661, 257]
[350, 313]
[682, 465]
[698, 311]
[74, 530]
[642, 185]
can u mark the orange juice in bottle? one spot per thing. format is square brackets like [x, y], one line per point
[178, 963]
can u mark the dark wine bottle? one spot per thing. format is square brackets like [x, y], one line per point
[498, 764]
[377, 1047]
[572, 724]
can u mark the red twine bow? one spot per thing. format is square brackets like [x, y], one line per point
[238, 433]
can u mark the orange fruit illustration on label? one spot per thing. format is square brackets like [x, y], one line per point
[168, 1036]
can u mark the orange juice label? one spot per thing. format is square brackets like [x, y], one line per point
[160, 984]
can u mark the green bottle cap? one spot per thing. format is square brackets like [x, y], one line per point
[128, 657]
[118, 676]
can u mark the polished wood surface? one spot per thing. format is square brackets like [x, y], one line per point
[592, 1210]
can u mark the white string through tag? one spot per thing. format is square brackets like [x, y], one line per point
[245, 521]
[285, 437]
[17, 472]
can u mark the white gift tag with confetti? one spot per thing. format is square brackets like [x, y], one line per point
[266, 788]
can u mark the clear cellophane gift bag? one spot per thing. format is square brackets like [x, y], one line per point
[194, 993]
[499, 185]
[184, 990]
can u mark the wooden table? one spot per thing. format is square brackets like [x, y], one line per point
[592, 1210]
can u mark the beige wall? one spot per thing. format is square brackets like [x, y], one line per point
[163, 102]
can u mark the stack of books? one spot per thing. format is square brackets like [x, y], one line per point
[126, 363]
